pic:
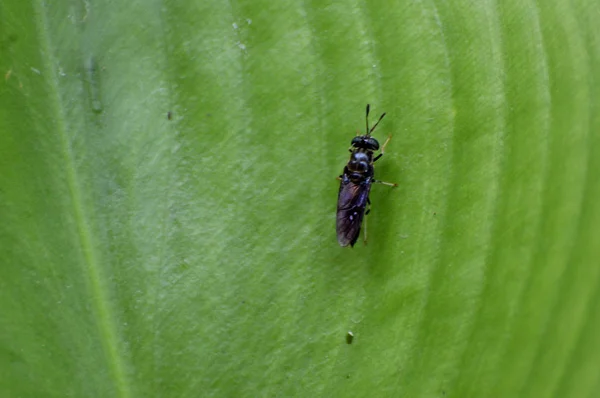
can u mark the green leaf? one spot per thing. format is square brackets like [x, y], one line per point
[167, 199]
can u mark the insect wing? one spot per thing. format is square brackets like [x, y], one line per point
[352, 200]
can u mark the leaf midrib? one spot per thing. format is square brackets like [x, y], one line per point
[91, 262]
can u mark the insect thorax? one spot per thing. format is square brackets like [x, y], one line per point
[360, 164]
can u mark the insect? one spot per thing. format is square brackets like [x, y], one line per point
[355, 185]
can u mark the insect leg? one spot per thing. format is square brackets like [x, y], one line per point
[365, 220]
[385, 143]
[391, 184]
[383, 148]
[365, 226]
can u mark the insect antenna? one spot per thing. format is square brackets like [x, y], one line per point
[380, 117]
[367, 117]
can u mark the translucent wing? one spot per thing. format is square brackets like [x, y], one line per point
[352, 201]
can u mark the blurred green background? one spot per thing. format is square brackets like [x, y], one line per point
[142, 256]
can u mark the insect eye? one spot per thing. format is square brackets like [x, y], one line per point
[372, 143]
[365, 142]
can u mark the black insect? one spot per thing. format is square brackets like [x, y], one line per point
[355, 185]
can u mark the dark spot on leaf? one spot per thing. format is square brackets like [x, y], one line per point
[349, 337]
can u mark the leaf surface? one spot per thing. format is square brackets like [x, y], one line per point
[167, 199]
